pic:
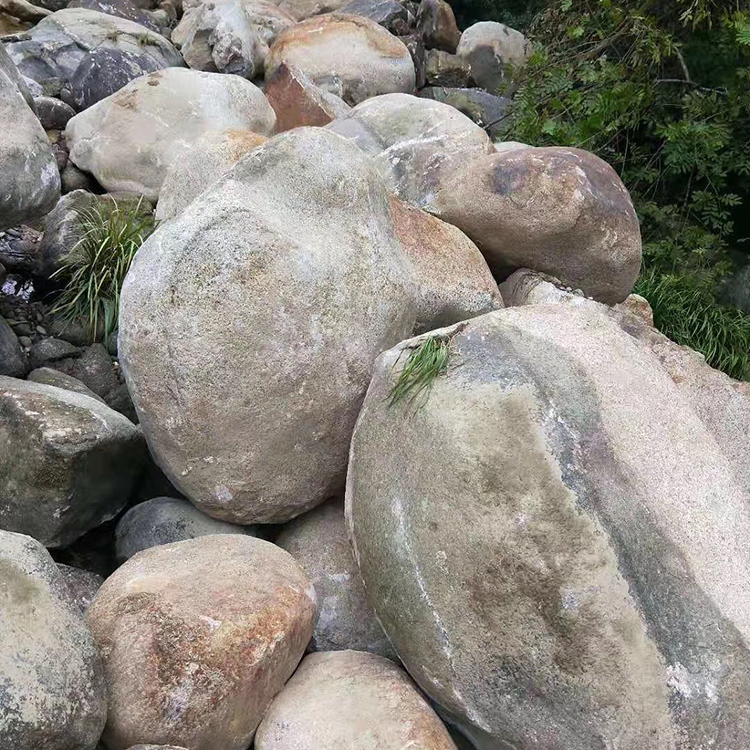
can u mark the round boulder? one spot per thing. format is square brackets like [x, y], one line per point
[211, 156]
[197, 637]
[350, 56]
[556, 541]
[128, 140]
[561, 211]
[319, 542]
[352, 700]
[163, 520]
[417, 144]
[250, 321]
[51, 678]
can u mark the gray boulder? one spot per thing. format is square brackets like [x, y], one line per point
[8, 67]
[388, 13]
[444, 69]
[120, 8]
[29, 179]
[349, 56]
[49, 350]
[53, 113]
[561, 211]
[494, 51]
[129, 139]
[601, 563]
[12, 360]
[57, 45]
[67, 462]
[164, 520]
[417, 144]
[319, 542]
[351, 700]
[51, 678]
[82, 584]
[486, 110]
[48, 376]
[249, 322]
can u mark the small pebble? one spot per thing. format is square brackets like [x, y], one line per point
[40, 329]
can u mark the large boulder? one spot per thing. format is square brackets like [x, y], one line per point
[29, 179]
[351, 700]
[487, 110]
[121, 8]
[436, 25]
[12, 360]
[129, 139]
[8, 67]
[197, 637]
[349, 56]
[561, 211]
[596, 593]
[51, 678]
[495, 52]
[250, 321]
[319, 542]
[208, 158]
[163, 520]
[67, 461]
[56, 46]
[230, 36]
[452, 278]
[417, 144]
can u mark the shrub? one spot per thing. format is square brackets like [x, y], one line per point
[426, 362]
[93, 272]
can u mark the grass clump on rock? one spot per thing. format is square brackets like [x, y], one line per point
[93, 272]
[426, 362]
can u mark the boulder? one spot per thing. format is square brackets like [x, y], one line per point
[302, 9]
[417, 144]
[436, 25]
[52, 113]
[56, 46]
[197, 637]
[452, 278]
[23, 10]
[49, 350]
[319, 542]
[352, 700]
[349, 56]
[390, 14]
[53, 690]
[486, 110]
[48, 376]
[29, 180]
[120, 8]
[501, 146]
[8, 67]
[12, 359]
[230, 36]
[209, 157]
[601, 567]
[297, 101]
[494, 52]
[249, 323]
[561, 211]
[129, 139]
[94, 368]
[67, 461]
[444, 69]
[164, 520]
[82, 584]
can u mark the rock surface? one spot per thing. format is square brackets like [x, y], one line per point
[51, 678]
[67, 462]
[319, 542]
[197, 637]
[486, 110]
[82, 584]
[121, 8]
[561, 211]
[611, 541]
[211, 156]
[452, 278]
[436, 25]
[417, 144]
[373, 702]
[129, 139]
[12, 360]
[29, 180]
[249, 323]
[163, 520]
[349, 56]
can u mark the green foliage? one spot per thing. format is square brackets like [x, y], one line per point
[686, 308]
[93, 272]
[661, 91]
[426, 362]
[517, 14]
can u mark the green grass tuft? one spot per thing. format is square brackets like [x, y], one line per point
[93, 272]
[426, 362]
[685, 310]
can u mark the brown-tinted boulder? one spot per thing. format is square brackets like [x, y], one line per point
[561, 211]
[350, 700]
[197, 637]
[349, 56]
[437, 25]
[452, 278]
[297, 101]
